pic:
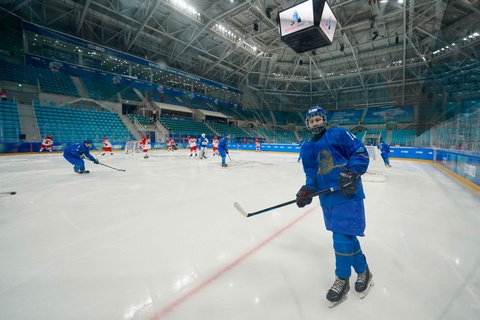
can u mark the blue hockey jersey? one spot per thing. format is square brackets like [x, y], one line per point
[77, 150]
[323, 160]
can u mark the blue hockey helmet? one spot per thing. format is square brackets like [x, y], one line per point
[316, 111]
[87, 141]
[226, 134]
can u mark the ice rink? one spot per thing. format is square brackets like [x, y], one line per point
[162, 240]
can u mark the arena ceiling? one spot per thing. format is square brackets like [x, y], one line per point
[381, 52]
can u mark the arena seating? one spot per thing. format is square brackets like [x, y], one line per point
[50, 81]
[186, 127]
[70, 124]
[9, 122]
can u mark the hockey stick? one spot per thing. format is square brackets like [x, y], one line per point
[109, 166]
[10, 193]
[112, 167]
[250, 214]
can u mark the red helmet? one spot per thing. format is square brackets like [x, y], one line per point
[215, 137]
[103, 139]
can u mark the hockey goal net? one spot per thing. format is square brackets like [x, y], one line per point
[132, 146]
[376, 167]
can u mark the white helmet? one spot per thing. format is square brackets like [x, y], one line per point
[203, 135]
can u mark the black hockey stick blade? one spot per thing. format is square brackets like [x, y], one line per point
[11, 193]
[112, 167]
[250, 214]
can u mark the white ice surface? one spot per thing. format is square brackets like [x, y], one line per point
[163, 241]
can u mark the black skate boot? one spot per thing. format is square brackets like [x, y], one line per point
[338, 292]
[364, 283]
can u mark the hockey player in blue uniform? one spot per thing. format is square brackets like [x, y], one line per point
[384, 151]
[223, 149]
[336, 158]
[75, 153]
[300, 153]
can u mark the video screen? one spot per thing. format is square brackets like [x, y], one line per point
[328, 23]
[297, 18]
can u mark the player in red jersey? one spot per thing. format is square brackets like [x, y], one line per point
[107, 147]
[47, 143]
[145, 146]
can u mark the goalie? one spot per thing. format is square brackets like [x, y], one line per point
[203, 147]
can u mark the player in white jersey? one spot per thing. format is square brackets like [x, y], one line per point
[107, 147]
[257, 145]
[47, 143]
[145, 146]
[170, 144]
[215, 143]
[192, 142]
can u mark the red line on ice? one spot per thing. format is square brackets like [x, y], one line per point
[163, 313]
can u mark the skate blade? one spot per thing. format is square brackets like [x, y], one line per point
[336, 303]
[364, 293]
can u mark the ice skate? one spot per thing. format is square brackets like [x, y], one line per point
[81, 171]
[190, 154]
[338, 292]
[146, 156]
[224, 165]
[364, 283]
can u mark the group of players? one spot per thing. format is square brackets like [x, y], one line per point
[219, 148]
[145, 146]
[203, 142]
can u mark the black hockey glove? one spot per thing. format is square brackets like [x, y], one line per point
[304, 196]
[348, 182]
[226, 151]
[96, 161]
